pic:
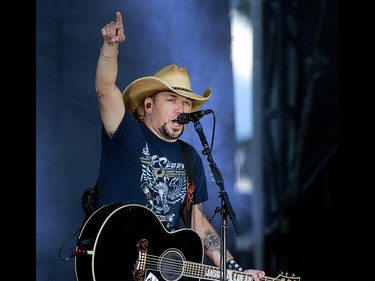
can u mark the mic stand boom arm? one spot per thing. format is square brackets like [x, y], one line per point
[226, 207]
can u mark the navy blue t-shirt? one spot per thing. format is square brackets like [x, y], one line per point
[137, 167]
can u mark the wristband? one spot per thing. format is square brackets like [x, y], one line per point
[108, 57]
[233, 265]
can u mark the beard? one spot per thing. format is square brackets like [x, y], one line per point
[168, 134]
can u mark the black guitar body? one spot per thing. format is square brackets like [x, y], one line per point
[110, 237]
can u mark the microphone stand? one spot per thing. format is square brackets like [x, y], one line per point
[226, 207]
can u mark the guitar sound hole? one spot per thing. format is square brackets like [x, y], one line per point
[170, 264]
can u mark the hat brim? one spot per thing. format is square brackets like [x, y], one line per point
[135, 94]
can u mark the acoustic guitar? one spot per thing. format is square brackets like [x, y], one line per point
[128, 242]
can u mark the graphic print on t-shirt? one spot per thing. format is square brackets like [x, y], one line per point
[164, 185]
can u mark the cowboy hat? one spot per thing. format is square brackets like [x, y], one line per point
[171, 78]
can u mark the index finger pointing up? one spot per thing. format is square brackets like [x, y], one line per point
[118, 18]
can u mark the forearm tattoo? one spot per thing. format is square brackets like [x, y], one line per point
[211, 242]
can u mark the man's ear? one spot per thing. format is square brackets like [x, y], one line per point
[148, 105]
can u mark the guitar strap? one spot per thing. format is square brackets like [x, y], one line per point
[89, 197]
[190, 186]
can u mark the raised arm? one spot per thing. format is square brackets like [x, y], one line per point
[111, 105]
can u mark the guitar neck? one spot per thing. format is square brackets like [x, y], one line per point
[208, 272]
[202, 271]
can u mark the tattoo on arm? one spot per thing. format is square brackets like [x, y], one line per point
[211, 242]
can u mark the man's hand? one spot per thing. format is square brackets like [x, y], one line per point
[257, 274]
[113, 32]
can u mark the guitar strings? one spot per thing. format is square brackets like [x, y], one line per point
[173, 266]
[167, 265]
[185, 268]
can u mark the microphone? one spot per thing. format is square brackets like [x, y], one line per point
[185, 118]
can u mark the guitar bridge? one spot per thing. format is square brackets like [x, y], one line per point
[140, 263]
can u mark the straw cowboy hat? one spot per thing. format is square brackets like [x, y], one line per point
[171, 78]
